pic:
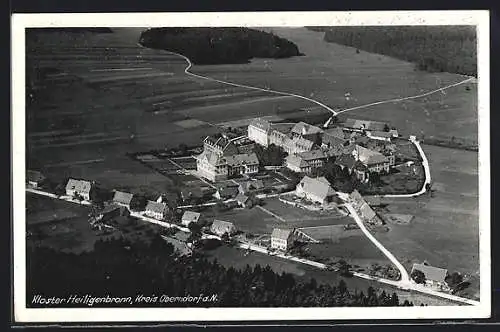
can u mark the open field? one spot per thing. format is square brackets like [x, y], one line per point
[236, 258]
[84, 81]
[96, 97]
[328, 71]
[297, 217]
[253, 220]
[445, 230]
[64, 226]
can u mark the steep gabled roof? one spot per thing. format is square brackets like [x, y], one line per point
[281, 233]
[319, 187]
[303, 128]
[333, 141]
[241, 159]
[296, 160]
[222, 226]
[242, 198]
[312, 155]
[34, 176]
[336, 132]
[252, 185]
[156, 207]
[191, 216]
[122, 197]
[81, 186]
[431, 272]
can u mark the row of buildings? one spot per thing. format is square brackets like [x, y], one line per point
[310, 147]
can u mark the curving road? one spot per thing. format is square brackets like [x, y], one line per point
[208, 78]
[427, 172]
[405, 278]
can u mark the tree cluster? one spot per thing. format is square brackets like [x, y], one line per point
[123, 269]
[272, 155]
[219, 45]
[432, 48]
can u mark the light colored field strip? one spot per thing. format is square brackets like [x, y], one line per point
[189, 65]
[71, 163]
[119, 69]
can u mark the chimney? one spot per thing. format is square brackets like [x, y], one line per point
[160, 199]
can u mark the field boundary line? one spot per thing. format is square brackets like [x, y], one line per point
[190, 64]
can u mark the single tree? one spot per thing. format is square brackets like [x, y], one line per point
[418, 276]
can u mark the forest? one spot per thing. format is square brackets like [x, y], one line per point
[219, 45]
[121, 269]
[431, 48]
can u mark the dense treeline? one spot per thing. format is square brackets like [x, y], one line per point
[432, 48]
[219, 45]
[121, 269]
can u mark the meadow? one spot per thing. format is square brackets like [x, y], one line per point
[93, 98]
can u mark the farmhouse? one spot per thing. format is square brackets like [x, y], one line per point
[34, 178]
[180, 242]
[112, 211]
[373, 160]
[282, 239]
[189, 217]
[226, 192]
[78, 187]
[433, 275]
[315, 189]
[220, 227]
[306, 162]
[122, 198]
[157, 210]
[251, 186]
[244, 200]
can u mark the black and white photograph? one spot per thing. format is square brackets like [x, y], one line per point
[251, 166]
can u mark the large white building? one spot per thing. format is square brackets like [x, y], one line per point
[261, 132]
[258, 131]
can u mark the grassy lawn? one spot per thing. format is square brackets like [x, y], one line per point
[446, 226]
[252, 220]
[297, 217]
[64, 226]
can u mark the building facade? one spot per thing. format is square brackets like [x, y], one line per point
[282, 239]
